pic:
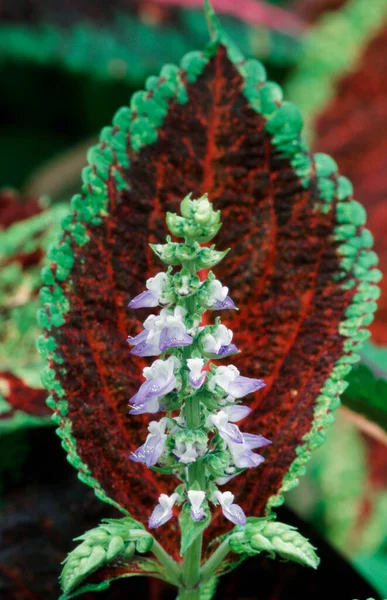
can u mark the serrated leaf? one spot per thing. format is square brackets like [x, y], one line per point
[344, 61]
[191, 529]
[274, 538]
[227, 132]
[102, 545]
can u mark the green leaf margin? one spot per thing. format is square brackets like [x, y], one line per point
[109, 158]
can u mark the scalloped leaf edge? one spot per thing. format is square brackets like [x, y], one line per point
[284, 123]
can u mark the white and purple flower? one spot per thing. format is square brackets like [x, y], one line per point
[218, 298]
[163, 331]
[219, 343]
[150, 452]
[239, 444]
[232, 512]
[155, 294]
[160, 380]
[188, 452]
[234, 385]
[196, 499]
[163, 511]
[196, 374]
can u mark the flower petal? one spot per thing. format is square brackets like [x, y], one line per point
[227, 303]
[237, 412]
[144, 300]
[241, 386]
[172, 337]
[159, 516]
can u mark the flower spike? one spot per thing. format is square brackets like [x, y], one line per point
[198, 440]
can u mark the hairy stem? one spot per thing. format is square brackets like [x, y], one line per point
[171, 566]
[209, 568]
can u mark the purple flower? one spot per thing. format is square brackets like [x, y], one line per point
[154, 294]
[163, 511]
[242, 454]
[150, 452]
[196, 376]
[160, 380]
[218, 298]
[219, 343]
[229, 379]
[167, 330]
[196, 499]
[232, 512]
[226, 430]
[240, 444]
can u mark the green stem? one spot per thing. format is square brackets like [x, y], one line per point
[189, 594]
[196, 472]
[209, 568]
[171, 567]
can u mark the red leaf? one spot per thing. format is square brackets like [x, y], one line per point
[347, 113]
[284, 272]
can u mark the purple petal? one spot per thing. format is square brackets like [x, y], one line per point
[227, 350]
[144, 300]
[238, 412]
[255, 441]
[247, 459]
[159, 516]
[153, 388]
[232, 432]
[150, 452]
[139, 338]
[241, 386]
[174, 336]
[222, 305]
[196, 383]
[144, 349]
[151, 405]
[235, 514]
[197, 515]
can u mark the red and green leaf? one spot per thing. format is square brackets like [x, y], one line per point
[342, 90]
[27, 230]
[300, 270]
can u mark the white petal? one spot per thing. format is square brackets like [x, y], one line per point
[196, 498]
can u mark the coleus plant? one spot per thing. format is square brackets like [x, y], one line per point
[340, 87]
[301, 273]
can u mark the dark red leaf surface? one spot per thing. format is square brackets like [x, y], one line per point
[281, 272]
[352, 128]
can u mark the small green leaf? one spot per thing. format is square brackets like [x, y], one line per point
[260, 535]
[113, 538]
[190, 529]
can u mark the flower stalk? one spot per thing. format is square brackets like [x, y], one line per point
[197, 440]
